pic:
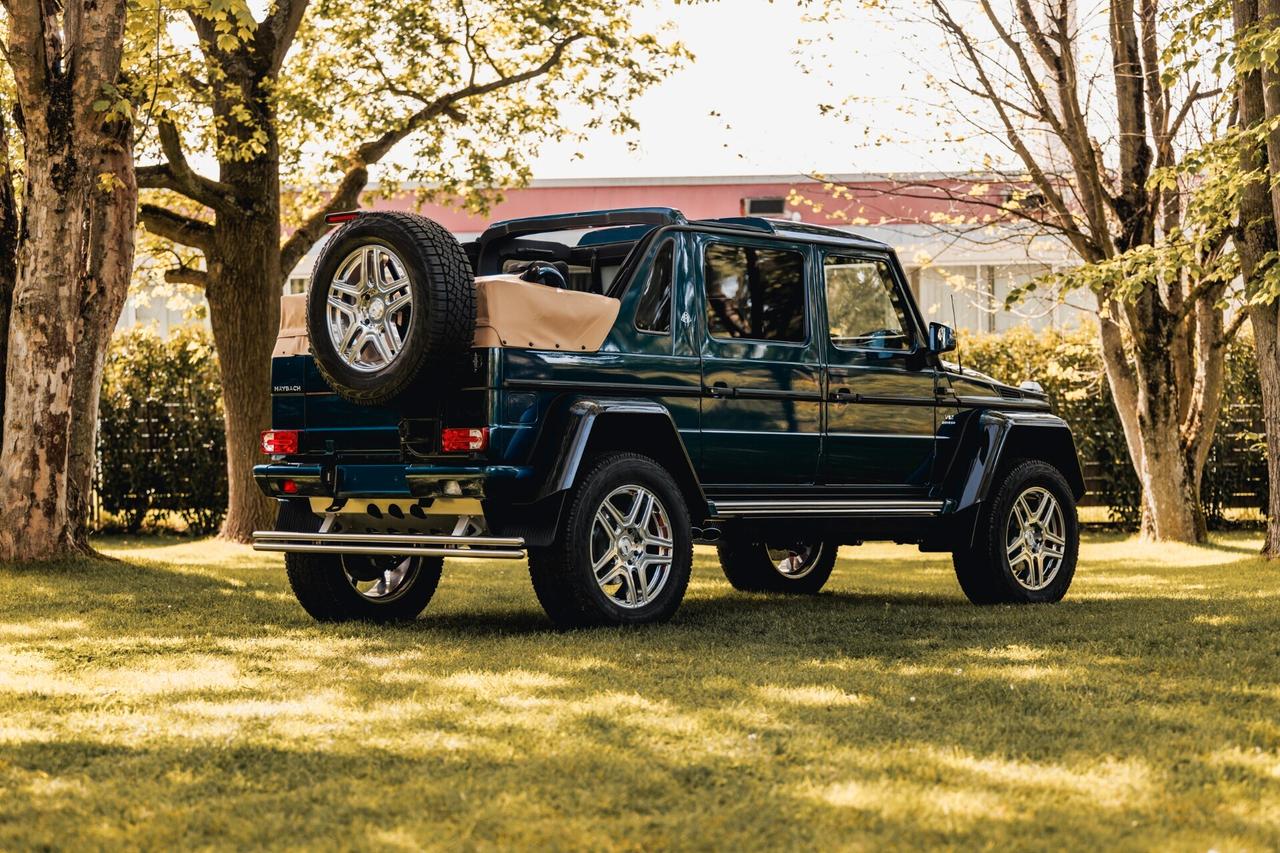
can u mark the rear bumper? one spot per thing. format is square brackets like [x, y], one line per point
[390, 544]
[343, 480]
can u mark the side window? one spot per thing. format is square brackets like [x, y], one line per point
[865, 309]
[653, 311]
[754, 293]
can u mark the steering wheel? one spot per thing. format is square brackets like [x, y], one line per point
[541, 272]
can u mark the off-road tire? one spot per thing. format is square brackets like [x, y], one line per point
[322, 588]
[983, 569]
[561, 573]
[747, 566]
[442, 323]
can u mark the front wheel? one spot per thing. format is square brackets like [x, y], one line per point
[1027, 541]
[753, 565]
[333, 588]
[623, 551]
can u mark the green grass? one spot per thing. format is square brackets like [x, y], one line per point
[179, 697]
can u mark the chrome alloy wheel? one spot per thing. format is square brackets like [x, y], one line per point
[631, 546]
[368, 308]
[380, 579]
[1035, 538]
[795, 561]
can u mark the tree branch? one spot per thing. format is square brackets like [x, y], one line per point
[356, 176]
[174, 226]
[275, 35]
[187, 275]
[345, 197]
[177, 175]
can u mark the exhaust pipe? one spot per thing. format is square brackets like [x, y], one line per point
[706, 535]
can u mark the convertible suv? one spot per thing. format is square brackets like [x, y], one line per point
[599, 391]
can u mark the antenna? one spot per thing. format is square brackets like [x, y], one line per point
[955, 324]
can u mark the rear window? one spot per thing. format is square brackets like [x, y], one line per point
[753, 293]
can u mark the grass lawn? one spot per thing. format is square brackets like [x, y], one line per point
[178, 697]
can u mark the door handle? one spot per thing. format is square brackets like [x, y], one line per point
[719, 389]
[842, 395]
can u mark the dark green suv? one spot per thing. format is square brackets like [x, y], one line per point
[599, 391]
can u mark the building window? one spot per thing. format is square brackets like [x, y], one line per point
[764, 206]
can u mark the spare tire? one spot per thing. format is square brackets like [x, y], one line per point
[392, 305]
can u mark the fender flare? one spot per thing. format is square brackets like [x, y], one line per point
[986, 438]
[582, 420]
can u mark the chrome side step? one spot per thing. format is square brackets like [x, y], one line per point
[390, 544]
[841, 508]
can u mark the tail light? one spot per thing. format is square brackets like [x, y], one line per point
[280, 442]
[461, 440]
[341, 216]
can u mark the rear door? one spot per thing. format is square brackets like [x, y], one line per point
[761, 364]
[880, 386]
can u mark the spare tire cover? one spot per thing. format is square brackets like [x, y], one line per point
[392, 305]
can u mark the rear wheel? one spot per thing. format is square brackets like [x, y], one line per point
[754, 565]
[1027, 540]
[624, 549]
[342, 588]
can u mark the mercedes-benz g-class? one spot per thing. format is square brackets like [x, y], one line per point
[599, 391]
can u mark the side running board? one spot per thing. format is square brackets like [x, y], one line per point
[829, 508]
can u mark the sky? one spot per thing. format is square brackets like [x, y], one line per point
[744, 105]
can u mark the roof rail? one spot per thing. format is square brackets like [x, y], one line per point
[588, 219]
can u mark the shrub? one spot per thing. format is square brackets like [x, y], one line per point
[161, 444]
[1068, 364]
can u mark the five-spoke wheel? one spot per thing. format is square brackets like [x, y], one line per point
[369, 308]
[1035, 538]
[752, 564]
[623, 548]
[631, 546]
[1026, 542]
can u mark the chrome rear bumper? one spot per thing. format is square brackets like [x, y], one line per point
[390, 544]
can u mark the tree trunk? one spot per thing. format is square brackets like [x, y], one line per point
[244, 309]
[74, 260]
[1259, 102]
[112, 254]
[1266, 323]
[8, 251]
[1147, 402]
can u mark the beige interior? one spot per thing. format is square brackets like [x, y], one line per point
[509, 313]
[515, 313]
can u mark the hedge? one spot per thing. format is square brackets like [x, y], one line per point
[1068, 364]
[161, 440]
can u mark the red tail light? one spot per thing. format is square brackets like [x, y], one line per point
[460, 440]
[280, 442]
[342, 216]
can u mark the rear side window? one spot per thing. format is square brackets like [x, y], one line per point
[653, 311]
[754, 293]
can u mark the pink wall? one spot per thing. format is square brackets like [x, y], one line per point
[873, 202]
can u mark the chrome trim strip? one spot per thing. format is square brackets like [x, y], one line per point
[390, 544]
[387, 538]
[390, 551]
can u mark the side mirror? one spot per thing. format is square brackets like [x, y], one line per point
[942, 338]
